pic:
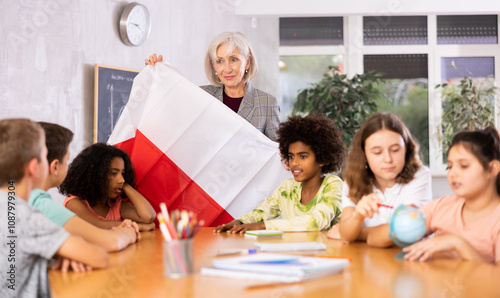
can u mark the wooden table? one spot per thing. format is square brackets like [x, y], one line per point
[137, 271]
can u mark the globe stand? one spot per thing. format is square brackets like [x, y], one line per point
[400, 255]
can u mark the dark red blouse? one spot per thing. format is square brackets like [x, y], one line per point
[232, 102]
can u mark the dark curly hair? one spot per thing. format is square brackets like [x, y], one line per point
[88, 173]
[319, 133]
[358, 174]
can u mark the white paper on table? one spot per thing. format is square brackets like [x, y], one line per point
[290, 246]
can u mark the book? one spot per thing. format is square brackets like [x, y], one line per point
[275, 267]
[260, 234]
[290, 246]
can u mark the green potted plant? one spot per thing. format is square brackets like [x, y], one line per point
[348, 102]
[469, 105]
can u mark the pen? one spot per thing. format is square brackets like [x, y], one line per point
[233, 251]
[383, 205]
[333, 257]
[164, 211]
[282, 261]
[168, 227]
[163, 228]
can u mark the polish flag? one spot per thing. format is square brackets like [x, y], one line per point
[192, 152]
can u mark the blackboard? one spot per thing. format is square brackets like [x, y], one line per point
[111, 93]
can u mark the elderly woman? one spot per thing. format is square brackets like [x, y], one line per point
[230, 64]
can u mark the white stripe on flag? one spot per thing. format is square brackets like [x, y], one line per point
[223, 153]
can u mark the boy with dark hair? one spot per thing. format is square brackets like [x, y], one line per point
[58, 139]
[29, 237]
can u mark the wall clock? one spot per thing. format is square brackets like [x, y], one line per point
[135, 24]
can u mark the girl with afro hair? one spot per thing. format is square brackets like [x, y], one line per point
[310, 201]
[98, 179]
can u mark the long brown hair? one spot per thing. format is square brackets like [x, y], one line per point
[358, 174]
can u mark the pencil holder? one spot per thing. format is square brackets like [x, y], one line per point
[178, 258]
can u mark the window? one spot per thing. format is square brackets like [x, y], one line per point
[415, 53]
[464, 97]
[393, 30]
[404, 92]
[298, 73]
[455, 68]
[477, 29]
[311, 31]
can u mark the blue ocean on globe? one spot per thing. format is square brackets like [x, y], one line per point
[407, 225]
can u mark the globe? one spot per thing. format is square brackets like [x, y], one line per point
[407, 225]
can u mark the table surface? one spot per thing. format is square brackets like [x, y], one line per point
[137, 271]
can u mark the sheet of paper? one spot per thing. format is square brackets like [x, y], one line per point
[291, 246]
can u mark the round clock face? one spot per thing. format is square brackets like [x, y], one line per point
[134, 24]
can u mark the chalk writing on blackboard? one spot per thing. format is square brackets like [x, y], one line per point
[111, 94]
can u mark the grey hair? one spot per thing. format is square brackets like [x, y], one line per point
[234, 40]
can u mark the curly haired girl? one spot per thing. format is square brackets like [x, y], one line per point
[310, 201]
[97, 181]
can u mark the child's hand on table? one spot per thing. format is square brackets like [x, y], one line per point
[237, 227]
[334, 232]
[127, 224]
[424, 249]
[228, 226]
[247, 227]
[64, 264]
[144, 227]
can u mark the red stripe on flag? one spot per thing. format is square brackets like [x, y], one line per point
[159, 179]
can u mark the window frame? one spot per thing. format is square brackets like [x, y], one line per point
[353, 51]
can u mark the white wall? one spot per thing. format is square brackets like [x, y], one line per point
[49, 49]
[440, 187]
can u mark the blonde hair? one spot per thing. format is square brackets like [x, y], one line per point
[233, 40]
[20, 142]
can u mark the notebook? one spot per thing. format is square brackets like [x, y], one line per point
[275, 267]
[259, 234]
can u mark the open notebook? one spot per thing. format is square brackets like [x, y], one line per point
[275, 267]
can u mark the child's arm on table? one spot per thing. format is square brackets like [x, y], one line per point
[377, 236]
[318, 219]
[111, 240]
[77, 249]
[334, 232]
[242, 228]
[236, 226]
[144, 227]
[141, 211]
[228, 226]
[64, 265]
[352, 220]
[254, 219]
[79, 208]
[374, 236]
[423, 250]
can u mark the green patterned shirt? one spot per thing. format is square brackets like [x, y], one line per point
[320, 213]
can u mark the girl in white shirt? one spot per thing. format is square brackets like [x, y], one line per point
[383, 168]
